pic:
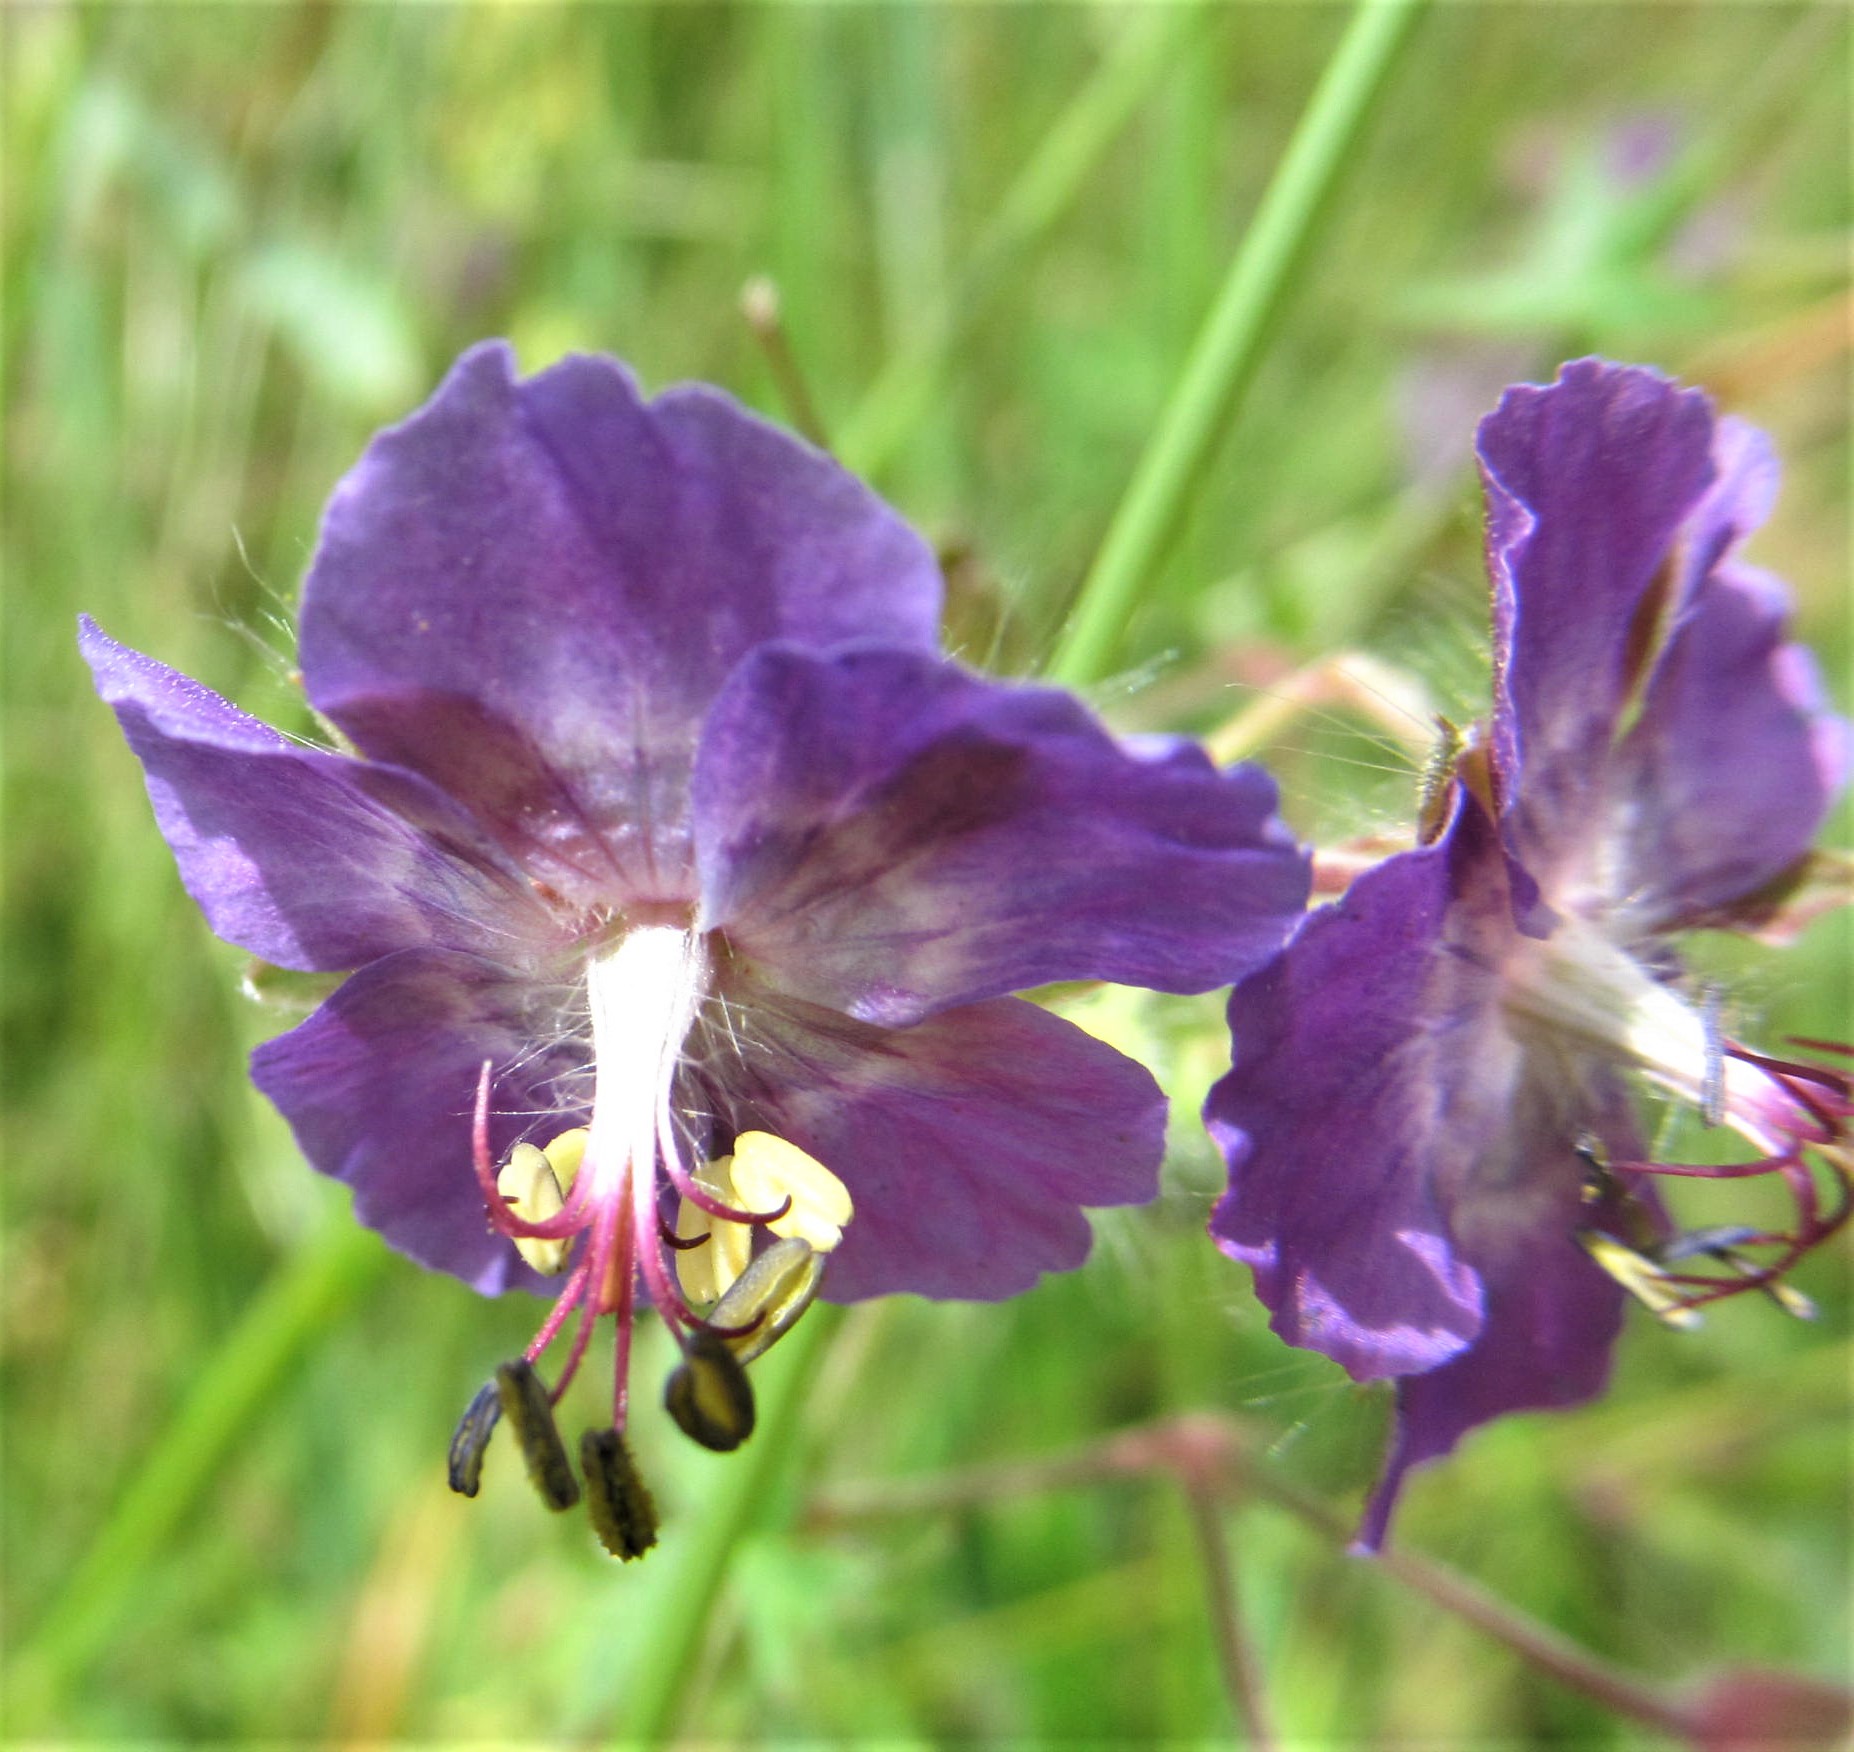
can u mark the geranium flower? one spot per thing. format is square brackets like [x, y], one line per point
[1437, 1171]
[681, 881]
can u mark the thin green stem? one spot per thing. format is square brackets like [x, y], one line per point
[1243, 1678]
[1211, 1456]
[1231, 343]
[306, 1292]
[673, 1640]
[1075, 144]
[1537, 1644]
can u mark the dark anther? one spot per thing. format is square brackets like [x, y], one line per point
[623, 1515]
[709, 1395]
[474, 1429]
[531, 1416]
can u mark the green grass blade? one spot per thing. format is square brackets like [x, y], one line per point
[1041, 193]
[1231, 343]
[673, 1640]
[302, 1296]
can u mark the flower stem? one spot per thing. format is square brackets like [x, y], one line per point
[672, 1642]
[1211, 1457]
[1535, 1643]
[251, 1363]
[1243, 1679]
[1230, 345]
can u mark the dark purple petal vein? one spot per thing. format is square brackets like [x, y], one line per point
[970, 1143]
[886, 834]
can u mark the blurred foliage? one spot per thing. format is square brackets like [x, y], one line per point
[240, 238]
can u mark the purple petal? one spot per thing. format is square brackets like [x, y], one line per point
[1734, 762]
[1742, 495]
[884, 834]
[308, 859]
[378, 1086]
[969, 1143]
[1552, 1315]
[1588, 482]
[530, 591]
[1370, 1074]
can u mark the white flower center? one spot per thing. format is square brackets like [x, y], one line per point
[1577, 982]
[644, 994]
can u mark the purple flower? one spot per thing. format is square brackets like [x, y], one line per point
[668, 829]
[1436, 1168]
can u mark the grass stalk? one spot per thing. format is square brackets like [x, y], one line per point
[1037, 197]
[673, 1640]
[1231, 343]
[308, 1290]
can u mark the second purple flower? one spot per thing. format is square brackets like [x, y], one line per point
[1437, 1169]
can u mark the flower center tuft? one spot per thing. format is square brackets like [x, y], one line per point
[752, 1230]
[1797, 1116]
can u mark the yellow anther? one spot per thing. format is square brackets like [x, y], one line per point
[1641, 1277]
[1792, 1301]
[706, 1272]
[767, 1171]
[530, 1187]
[768, 1297]
[565, 1154]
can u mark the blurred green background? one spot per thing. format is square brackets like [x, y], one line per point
[238, 239]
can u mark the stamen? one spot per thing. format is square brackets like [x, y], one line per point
[768, 1297]
[569, 1220]
[531, 1191]
[1809, 1044]
[471, 1439]
[531, 1415]
[623, 1514]
[564, 1304]
[709, 1395]
[696, 1190]
[1640, 1276]
[598, 1264]
[705, 1275]
[816, 1203]
[644, 992]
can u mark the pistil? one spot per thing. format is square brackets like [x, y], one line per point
[1795, 1115]
[602, 1182]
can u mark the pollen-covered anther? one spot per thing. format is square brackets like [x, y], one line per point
[533, 1184]
[530, 1412]
[623, 1514]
